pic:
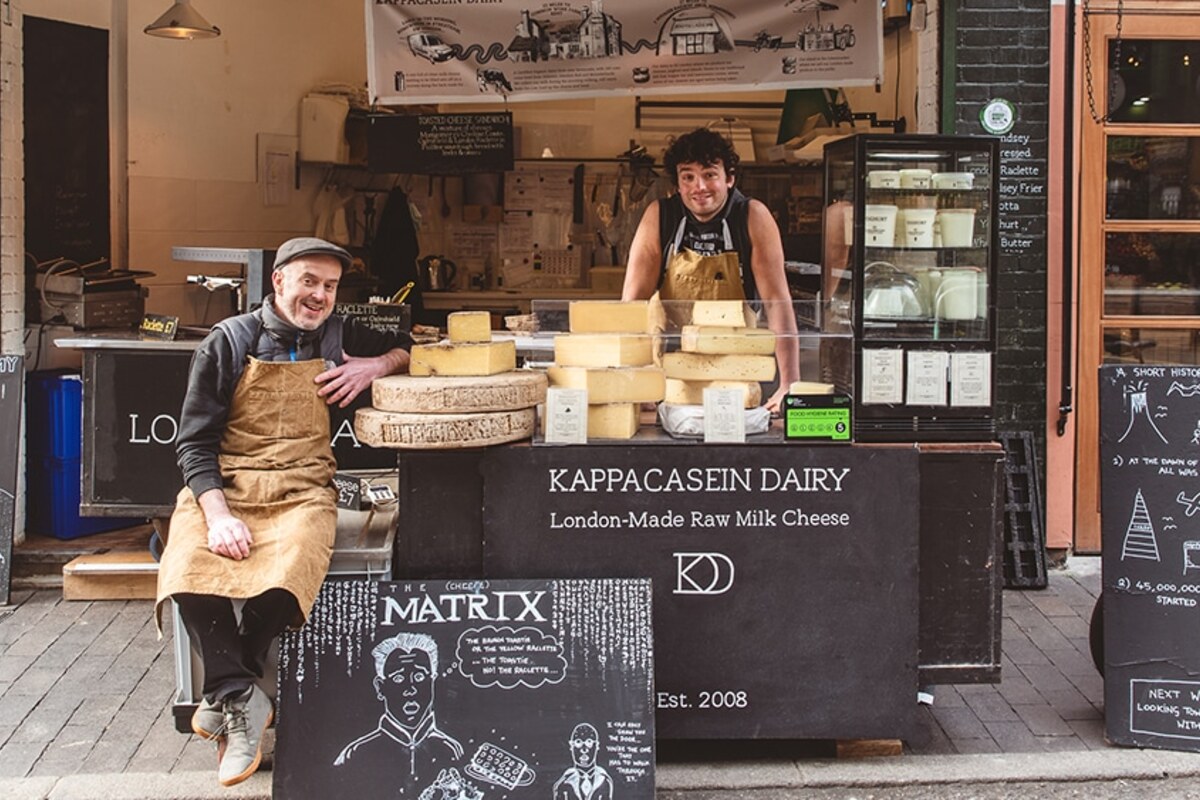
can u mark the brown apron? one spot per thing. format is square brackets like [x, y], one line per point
[278, 467]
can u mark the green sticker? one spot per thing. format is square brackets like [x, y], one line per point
[998, 117]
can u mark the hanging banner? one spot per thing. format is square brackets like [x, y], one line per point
[468, 51]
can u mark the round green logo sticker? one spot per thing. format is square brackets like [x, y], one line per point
[998, 116]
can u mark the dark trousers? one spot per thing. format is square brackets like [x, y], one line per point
[234, 656]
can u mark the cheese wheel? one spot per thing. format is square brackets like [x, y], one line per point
[404, 431]
[447, 395]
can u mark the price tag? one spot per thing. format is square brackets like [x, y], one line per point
[566, 416]
[724, 415]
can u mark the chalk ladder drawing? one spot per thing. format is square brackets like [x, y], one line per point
[1139, 409]
[1140, 541]
[1191, 556]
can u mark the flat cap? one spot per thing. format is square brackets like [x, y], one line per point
[292, 249]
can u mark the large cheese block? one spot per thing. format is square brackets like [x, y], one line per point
[469, 326]
[723, 314]
[810, 387]
[691, 393]
[441, 431]
[447, 358]
[443, 395]
[609, 316]
[713, 339]
[603, 350]
[612, 421]
[612, 384]
[706, 367]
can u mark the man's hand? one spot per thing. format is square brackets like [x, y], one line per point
[345, 382]
[775, 402]
[228, 536]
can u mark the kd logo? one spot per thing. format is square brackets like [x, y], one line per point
[703, 573]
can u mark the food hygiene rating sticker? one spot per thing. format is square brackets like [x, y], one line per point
[817, 418]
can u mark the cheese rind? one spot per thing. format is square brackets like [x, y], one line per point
[722, 314]
[691, 393]
[612, 421]
[713, 339]
[445, 395]
[612, 384]
[609, 316]
[603, 350]
[469, 326]
[447, 358]
[441, 431]
[706, 367]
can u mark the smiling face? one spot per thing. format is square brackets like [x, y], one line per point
[407, 687]
[584, 745]
[703, 188]
[306, 289]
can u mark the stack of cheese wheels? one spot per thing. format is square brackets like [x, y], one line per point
[465, 392]
[609, 352]
[719, 350]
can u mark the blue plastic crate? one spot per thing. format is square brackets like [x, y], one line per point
[54, 414]
[52, 501]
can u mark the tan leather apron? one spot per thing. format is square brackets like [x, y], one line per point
[278, 467]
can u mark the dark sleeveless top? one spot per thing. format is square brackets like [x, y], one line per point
[707, 238]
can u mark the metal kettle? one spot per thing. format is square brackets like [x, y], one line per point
[437, 273]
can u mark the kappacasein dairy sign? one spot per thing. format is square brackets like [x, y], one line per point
[465, 51]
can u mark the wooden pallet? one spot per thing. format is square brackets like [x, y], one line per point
[114, 575]
[868, 748]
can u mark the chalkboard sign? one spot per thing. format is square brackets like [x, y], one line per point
[386, 317]
[785, 578]
[1150, 499]
[440, 144]
[447, 690]
[66, 140]
[12, 379]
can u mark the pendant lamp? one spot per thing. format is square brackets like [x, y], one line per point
[181, 21]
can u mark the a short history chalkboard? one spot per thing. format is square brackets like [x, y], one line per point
[440, 144]
[12, 379]
[465, 690]
[785, 578]
[1150, 509]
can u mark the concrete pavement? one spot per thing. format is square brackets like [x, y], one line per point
[86, 692]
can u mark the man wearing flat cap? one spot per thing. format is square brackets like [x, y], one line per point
[252, 533]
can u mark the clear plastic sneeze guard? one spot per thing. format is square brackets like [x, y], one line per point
[644, 371]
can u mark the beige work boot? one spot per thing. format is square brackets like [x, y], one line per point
[208, 720]
[247, 716]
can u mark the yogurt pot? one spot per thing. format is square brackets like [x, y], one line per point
[880, 225]
[957, 295]
[953, 180]
[915, 178]
[918, 227]
[883, 179]
[956, 226]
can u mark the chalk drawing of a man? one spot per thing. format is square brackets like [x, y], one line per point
[585, 780]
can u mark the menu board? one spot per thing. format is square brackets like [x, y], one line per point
[440, 144]
[1150, 504]
[12, 376]
[453, 690]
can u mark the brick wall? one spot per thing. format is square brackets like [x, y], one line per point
[1003, 51]
[12, 213]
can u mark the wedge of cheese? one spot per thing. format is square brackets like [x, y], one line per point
[612, 421]
[446, 395]
[441, 431]
[691, 393]
[723, 314]
[447, 358]
[612, 384]
[712, 339]
[469, 326]
[810, 387]
[603, 350]
[609, 316]
[706, 367]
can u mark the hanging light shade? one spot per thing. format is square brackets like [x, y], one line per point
[181, 21]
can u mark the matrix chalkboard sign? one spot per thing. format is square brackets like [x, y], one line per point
[1150, 504]
[444, 690]
[12, 379]
[440, 144]
[775, 569]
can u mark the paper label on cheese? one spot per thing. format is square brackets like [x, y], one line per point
[705, 367]
[469, 326]
[446, 358]
[609, 316]
[714, 339]
[603, 350]
[612, 384]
